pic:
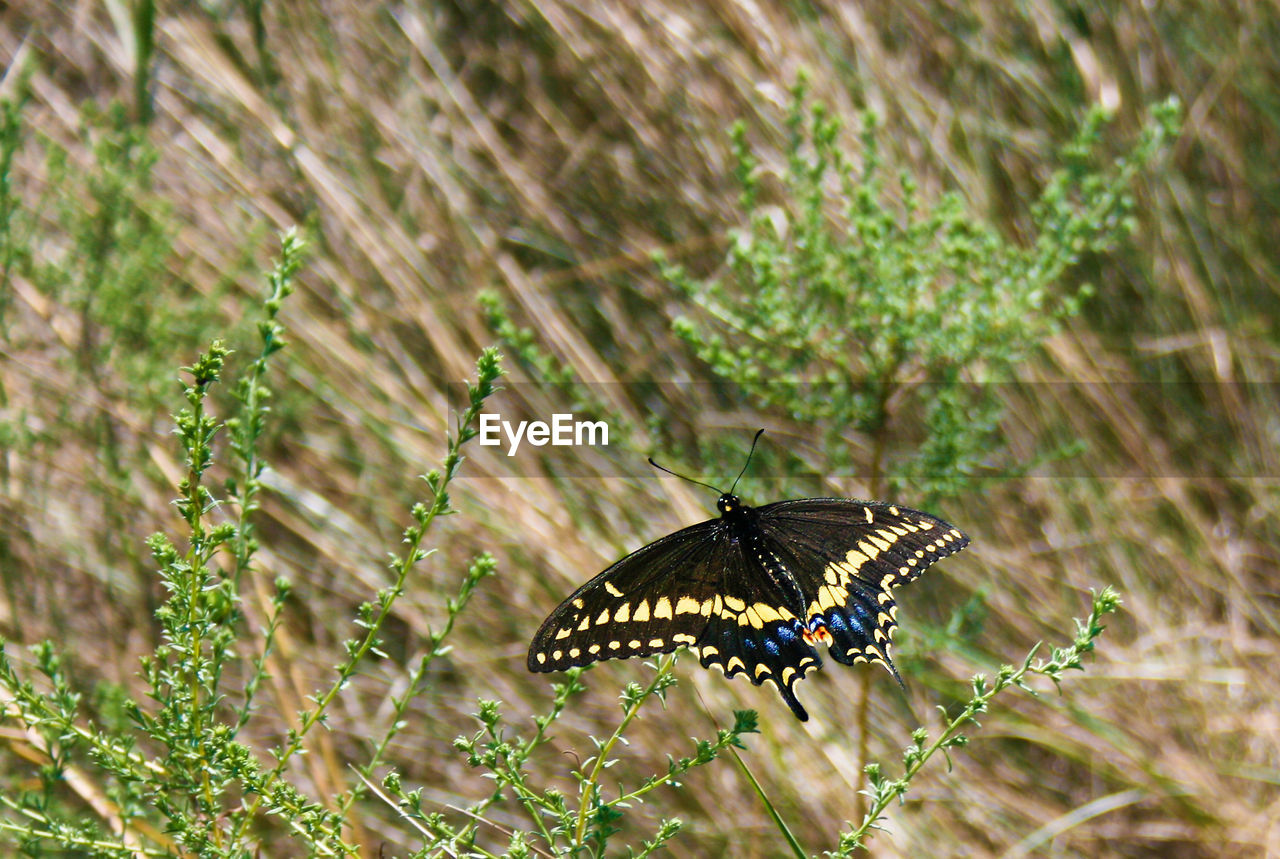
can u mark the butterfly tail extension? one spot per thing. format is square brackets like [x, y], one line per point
[787, 691]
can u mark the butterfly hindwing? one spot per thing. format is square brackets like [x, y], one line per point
[847, 557]
[753, 629]
[654, 600]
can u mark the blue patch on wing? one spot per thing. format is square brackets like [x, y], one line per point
[840, 623]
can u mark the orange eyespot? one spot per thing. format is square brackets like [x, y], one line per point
[820, 634]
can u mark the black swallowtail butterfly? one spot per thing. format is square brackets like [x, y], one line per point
[755, 591]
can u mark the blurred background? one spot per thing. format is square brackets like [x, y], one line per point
[541, 153]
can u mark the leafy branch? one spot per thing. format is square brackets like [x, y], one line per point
[1062, 659]
[371, 616]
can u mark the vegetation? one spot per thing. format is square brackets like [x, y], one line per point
[1055, 329]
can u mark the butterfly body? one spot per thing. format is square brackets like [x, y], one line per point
[755, 591]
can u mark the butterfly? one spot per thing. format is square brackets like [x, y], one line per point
[755, 591]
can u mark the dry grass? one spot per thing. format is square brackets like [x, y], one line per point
[543, 149]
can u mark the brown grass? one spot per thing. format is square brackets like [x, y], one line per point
[544, 149]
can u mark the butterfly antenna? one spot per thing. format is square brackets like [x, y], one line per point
[683, 477]
[759, 433]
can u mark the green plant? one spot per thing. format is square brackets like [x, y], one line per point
[114, 267]
[849, 304]
[558, 825]
[1062, 659]
[179, 778]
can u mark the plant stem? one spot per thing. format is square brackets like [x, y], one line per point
[590, 787]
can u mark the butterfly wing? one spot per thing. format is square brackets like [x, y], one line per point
[695, 588]
[847, 557]
[649, 602]
[751, 629]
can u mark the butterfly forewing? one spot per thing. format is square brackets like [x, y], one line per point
[847, 557]
[651, 601]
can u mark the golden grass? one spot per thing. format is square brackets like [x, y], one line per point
[543, 149]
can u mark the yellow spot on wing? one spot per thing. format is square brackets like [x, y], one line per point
[542, 658]
[708, 604]
[655, 642]
[564, 633]
[734, 661]
[614, 645]
[641, 614]
[593, 649]
[623, 613]
[829, 597]
[683, 638]
[586, 622]
[767, 613]
[879, 543]
[867, 512]
[603, 618]
[635, 642]
[613, 592]
[869, 550]
[662, 608]
[855, 559]
[688, 605]
[786, 673]
[577, 603]
[574, 652]
[735, 603]
[761, 668]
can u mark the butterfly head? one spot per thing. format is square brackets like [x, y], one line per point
[729, 505]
